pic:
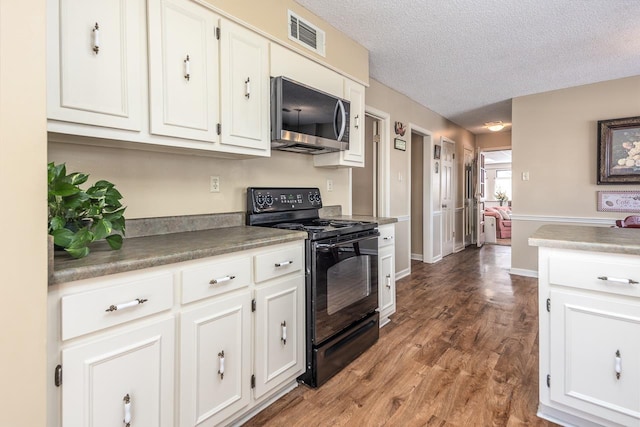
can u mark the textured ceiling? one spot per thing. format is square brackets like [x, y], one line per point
[466, 59]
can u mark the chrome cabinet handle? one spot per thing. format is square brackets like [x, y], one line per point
[116, 307]
[387, 238]
[127, 410]
[614, 279]
[96, 38]
[283, 263]
[618, 364]
[221, 280]
[187, 68]
[247, 88]
[221, 364]
[283, 336]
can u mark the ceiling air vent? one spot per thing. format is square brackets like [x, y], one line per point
[305, 33]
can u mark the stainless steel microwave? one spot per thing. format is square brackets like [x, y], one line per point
[306, 120]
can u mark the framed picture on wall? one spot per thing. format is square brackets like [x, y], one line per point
[436, 152]
[619, 151]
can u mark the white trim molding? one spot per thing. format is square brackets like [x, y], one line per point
[523, 272]
[570, 220]
[417, 257]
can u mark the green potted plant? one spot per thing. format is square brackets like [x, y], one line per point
[501, 196]
[78, 217]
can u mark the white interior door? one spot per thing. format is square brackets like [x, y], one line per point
[480, 196]
[447, 196]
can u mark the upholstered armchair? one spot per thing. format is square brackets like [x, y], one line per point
[502, 214]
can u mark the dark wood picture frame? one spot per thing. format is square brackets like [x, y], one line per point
[436, 152]
[619, 151]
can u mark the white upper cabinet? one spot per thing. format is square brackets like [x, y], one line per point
[354, 156]
[96, 62]
[183, 60]
[245, 88]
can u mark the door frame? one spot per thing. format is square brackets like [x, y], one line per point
[454, 197]
[383, 192]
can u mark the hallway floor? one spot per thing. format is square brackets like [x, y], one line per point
[461, 350]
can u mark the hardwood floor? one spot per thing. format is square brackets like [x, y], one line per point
[461, 350]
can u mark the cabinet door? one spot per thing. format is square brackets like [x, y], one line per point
[215, 363]
[183, 61]
[98, 376]
[587, 335]
[95, 62]
[279, 333]
[245, 89]
[386, 283]
[354, 156]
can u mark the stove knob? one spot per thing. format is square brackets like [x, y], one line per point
[260, 199]
[269, 200]
[311, 199]
[317, 197]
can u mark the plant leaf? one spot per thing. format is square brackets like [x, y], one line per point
[76, 178]
[101, 229]
[115, 241]
[64, 189]
[56, 223]
[62, 237]
[81, 238]
[78, 252]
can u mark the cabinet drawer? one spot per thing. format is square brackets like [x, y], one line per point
[387, 235]
[91, 311]
[215, 278]
[278, 263]
[597, 272]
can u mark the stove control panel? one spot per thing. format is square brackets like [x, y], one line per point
[265, 199]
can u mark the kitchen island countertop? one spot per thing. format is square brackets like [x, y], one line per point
[588, 238]
[152, 251]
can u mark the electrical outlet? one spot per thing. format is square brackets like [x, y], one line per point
[214, 184]
[329, 185]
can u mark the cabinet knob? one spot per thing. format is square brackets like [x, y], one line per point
[221, 364]
[283, 336]
[96, 38]
[617, 280]
[187, 68]
[122, 306]
[126, 400]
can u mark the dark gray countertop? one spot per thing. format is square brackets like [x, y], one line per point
[588, 238]
[153, 251]
[378, 219]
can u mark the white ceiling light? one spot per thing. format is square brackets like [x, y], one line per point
[494, 126]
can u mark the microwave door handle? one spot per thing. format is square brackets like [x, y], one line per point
[343, 116]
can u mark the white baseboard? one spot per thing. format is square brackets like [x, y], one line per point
[523, 272]
[417, 257]
[403, 273]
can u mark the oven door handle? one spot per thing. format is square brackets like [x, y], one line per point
[325, 246]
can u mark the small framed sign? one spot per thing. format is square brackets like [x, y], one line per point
[400, 144]
[619, 201]
[436, 152]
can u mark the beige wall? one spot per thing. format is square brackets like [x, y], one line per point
[555, 140]
[417, 188]
[24, 249]
[344, 54]
[494, 141]
[162, 184]
[362, 182]
[402, 108]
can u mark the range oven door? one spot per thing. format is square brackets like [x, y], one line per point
[344, 282]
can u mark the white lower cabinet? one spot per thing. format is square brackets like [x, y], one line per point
[596, 355]
[589, 337]
[386, 273]
[127, 373]
[240, 323]
[279, 334]
[215, 360]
